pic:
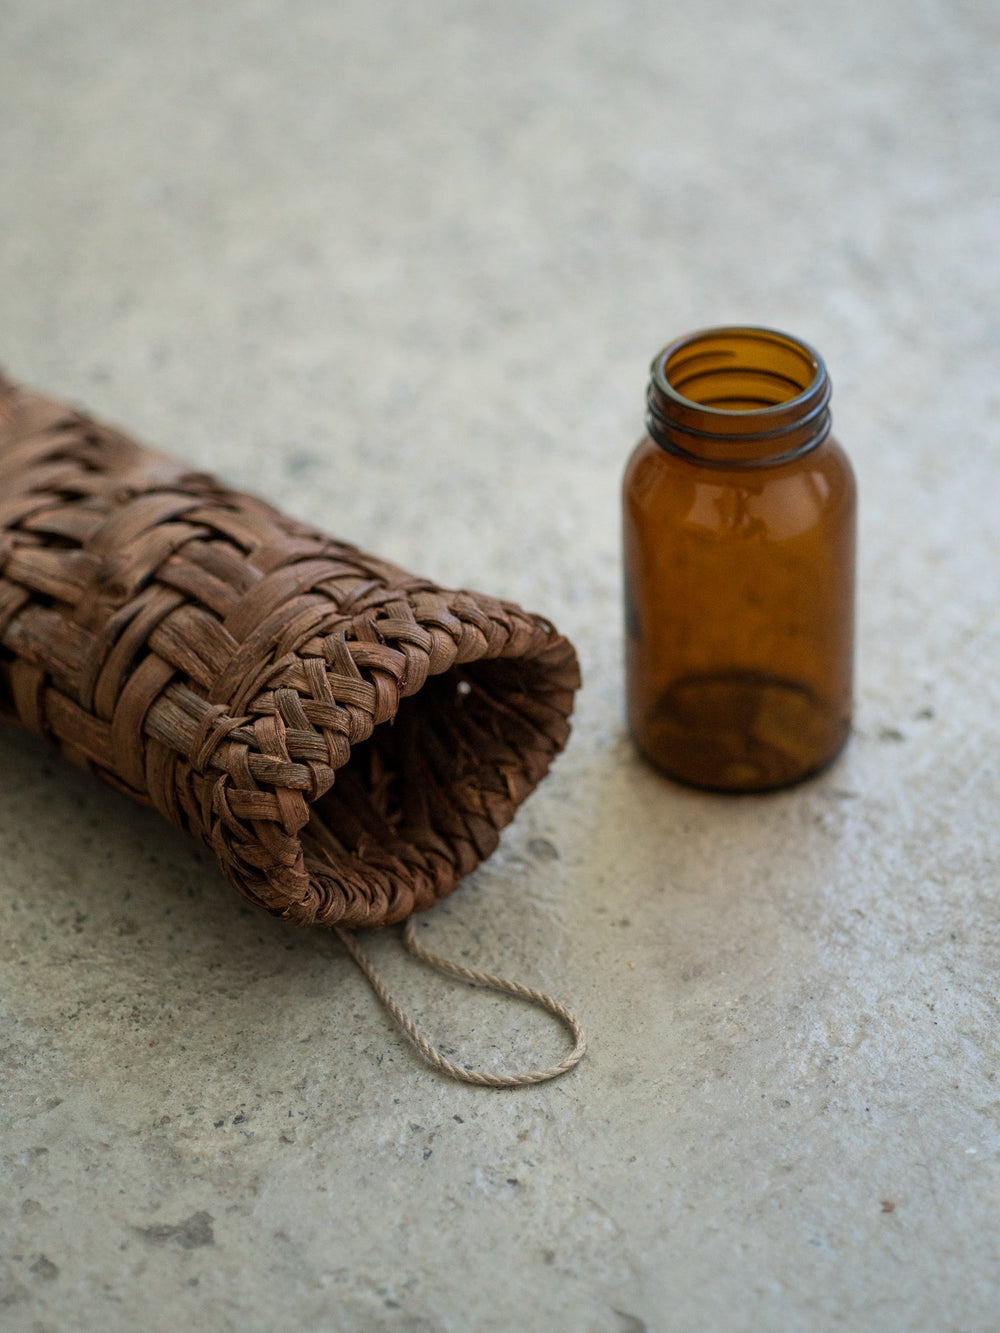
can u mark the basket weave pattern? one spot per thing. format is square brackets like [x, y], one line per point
[239, 671]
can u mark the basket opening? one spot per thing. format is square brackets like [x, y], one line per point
[421, 802]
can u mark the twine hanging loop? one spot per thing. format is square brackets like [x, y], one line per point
[475, 978]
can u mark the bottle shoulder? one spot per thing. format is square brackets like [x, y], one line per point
[650, 462]
[662, 487]
[835, 458]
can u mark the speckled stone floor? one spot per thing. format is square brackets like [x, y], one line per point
[403, 268]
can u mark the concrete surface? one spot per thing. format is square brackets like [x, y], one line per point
[403, 267]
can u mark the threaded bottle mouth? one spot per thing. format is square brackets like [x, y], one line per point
[738, 395]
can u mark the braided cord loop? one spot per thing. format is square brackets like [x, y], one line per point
[430, 1052]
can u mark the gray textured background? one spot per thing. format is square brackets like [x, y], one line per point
[403, 267]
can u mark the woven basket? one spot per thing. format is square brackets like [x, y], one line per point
[348, 739]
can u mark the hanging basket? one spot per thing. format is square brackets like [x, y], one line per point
[349, 739]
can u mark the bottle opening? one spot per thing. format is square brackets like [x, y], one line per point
[740, 371]
[755, 393]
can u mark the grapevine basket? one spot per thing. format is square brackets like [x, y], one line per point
[349, 739]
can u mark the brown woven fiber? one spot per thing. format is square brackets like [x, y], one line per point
[349, 739]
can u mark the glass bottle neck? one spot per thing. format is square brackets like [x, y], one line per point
[740, 397]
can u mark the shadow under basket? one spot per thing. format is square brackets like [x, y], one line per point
[348, 738]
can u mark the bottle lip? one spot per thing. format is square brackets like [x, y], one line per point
[786, 425]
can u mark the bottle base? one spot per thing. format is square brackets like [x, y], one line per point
[741, 731]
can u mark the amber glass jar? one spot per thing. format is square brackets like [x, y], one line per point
[739, 531]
